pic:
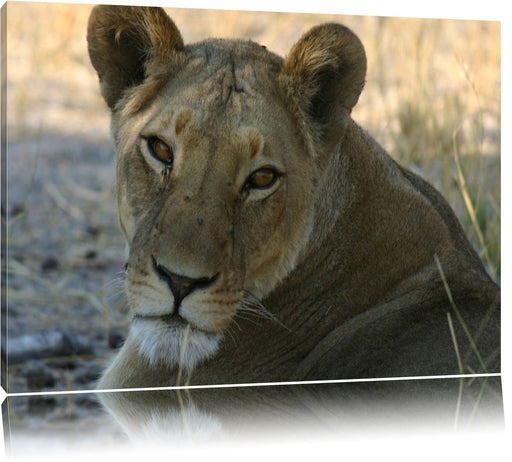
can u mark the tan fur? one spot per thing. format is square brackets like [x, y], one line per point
[328, 273]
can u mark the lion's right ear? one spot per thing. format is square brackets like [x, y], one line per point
[124, 41]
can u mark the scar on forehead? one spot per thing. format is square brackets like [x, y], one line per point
[182, 119]
[255, 142]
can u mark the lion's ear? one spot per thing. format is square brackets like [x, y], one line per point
[124, 41]
[324, 74]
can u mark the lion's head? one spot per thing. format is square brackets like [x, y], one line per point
[243, 181]
[217, 167]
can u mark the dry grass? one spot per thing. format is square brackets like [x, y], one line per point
[433, 91]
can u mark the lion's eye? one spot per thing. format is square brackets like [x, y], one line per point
[160, 150]
[262, 179]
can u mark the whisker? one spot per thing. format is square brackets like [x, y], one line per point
[115, 292]
[250, 304]
[246, 318]
[233, 336]
[119, 276]
[234, 321]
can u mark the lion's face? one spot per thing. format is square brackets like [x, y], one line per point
[215, 171]
[214, 199]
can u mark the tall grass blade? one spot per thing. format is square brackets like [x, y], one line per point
[459, 316]
[463, 187]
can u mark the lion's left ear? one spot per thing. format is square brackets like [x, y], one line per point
[324, 74]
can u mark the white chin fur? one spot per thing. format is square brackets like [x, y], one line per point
[160, 343]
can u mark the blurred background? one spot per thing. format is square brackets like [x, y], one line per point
[432, 99]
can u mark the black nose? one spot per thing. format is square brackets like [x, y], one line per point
[181, 286]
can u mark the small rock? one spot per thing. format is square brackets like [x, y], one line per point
[50, 264]
[45, 345]
[88, 374]
[16, 210]
[39, 376]
[67, 364]
[90, 255]
[92, 230]
[115, 339]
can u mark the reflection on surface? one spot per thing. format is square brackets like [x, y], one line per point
[295, 413]
[340, 409]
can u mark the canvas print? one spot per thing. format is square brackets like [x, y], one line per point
[198, 198]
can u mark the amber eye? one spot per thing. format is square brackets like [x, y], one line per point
[262, 179]
[160, 150]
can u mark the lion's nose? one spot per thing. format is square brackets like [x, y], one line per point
[181, 286]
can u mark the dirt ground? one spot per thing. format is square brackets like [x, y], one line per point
[65, 248]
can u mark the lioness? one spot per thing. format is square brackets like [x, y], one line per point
[271, 238]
